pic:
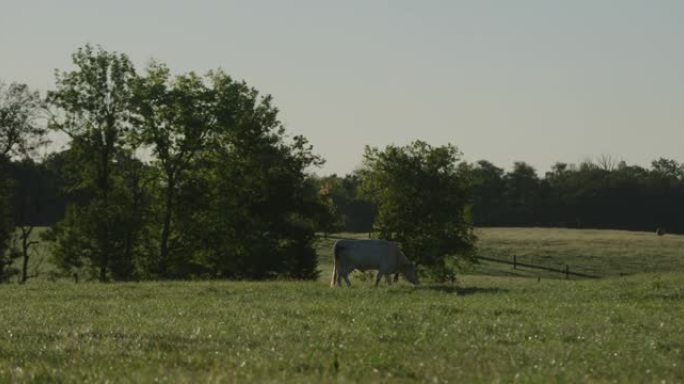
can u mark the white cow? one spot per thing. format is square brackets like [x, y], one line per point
[363, 255]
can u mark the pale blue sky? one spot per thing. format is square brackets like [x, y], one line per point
[538, 81]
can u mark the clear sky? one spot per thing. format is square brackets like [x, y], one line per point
[537, 81]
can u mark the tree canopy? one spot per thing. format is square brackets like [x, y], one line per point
[423, 198]
[223, 193]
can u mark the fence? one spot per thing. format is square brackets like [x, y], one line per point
[517, 264]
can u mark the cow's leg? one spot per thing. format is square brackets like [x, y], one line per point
[377, 278]
[388, 278]
[346, 279]
[339, 279]
[344, 274]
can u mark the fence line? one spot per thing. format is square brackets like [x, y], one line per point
[516, 264]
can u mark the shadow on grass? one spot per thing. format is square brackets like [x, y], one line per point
[461, 291]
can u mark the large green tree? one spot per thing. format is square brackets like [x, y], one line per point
[234, 198]
[264, 202]
[92, 105]
[423, 195]
[175, 120]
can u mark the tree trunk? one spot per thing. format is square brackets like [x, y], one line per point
[166, 226]
[25, 244]
[108, 148]
[24, 268]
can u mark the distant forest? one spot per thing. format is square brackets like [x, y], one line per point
[603, 195]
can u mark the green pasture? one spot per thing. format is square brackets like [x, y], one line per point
[495, 325]
[595, 252]
[490, 329]
[599, 253]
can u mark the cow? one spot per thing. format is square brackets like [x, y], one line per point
[363, 255]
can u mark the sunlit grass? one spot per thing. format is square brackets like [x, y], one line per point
[595, 252]
[488, 329]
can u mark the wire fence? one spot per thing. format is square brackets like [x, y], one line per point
[515, 263]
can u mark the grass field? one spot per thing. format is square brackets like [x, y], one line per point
[491, 327]
[596, 252]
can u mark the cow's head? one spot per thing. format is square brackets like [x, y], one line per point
[410, 273]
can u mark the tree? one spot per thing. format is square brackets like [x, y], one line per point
[487, 193]
[93, 108]
[34, 192]
[352, 211]
[21, 132]
[77, 238]
[263, 209]
[423, 198]
[523, 195]
[6, 227]
[328, 218]
[175, 122]
[668, 169]
[234, 198]
[262, 203]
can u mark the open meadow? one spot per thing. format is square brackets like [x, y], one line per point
[495, 325]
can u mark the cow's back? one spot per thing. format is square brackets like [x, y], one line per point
[366, 254]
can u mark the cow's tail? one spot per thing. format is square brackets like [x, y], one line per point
[336, 256]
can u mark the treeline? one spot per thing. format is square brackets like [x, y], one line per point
[588, 195]
[193, 176]
[165, 176]
[604, 194]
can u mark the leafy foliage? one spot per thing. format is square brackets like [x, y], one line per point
[21, 111]
[174, 120]
[423, 203]
[234, 197]
[352, 212]
[20, 134]
[92, 106]
[588, 195]
[267, 205]
[6, 227]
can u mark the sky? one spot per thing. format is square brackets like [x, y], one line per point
[505, 81]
